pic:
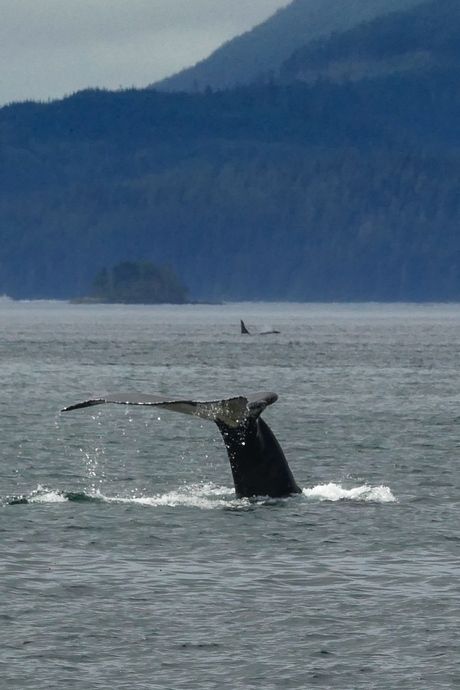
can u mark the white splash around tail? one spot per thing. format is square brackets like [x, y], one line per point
[208, 496]
[336, 492]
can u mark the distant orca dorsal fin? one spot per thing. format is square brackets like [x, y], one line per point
[243, 328]
[258, 464]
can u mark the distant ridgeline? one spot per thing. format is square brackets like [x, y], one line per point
[340, 180]
[258, 54]
[135, 282]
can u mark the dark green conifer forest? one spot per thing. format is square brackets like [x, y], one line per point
[138, 282]
[325, 188]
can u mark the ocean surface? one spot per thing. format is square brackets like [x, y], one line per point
[127, 562]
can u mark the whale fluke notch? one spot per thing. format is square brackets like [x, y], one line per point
[258, 464]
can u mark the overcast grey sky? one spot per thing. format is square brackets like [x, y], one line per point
[49, 48]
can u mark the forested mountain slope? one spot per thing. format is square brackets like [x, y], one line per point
[301, 191]
[416, 41]
[258, 54]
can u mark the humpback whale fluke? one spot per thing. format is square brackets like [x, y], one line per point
[258, 464]
[243, 327]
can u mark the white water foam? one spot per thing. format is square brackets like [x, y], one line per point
[43, 495]
[204, 496]
[211, 497]
[336, 492]
[208, 496]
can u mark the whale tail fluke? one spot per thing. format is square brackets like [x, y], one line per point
[231, 411]
[258, 464]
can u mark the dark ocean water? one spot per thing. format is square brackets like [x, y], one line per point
[127, 562]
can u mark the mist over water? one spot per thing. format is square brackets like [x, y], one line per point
[127, 561]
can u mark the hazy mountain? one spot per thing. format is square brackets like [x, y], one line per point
[259, 53]
[416, 41]
[322, 189]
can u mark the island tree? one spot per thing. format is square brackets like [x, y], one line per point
[139, 282]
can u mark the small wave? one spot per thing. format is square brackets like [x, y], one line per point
[44, 495]
[48, 497]
[39, 495]
[336, 492]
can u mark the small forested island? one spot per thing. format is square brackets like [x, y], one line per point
[138, 282]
